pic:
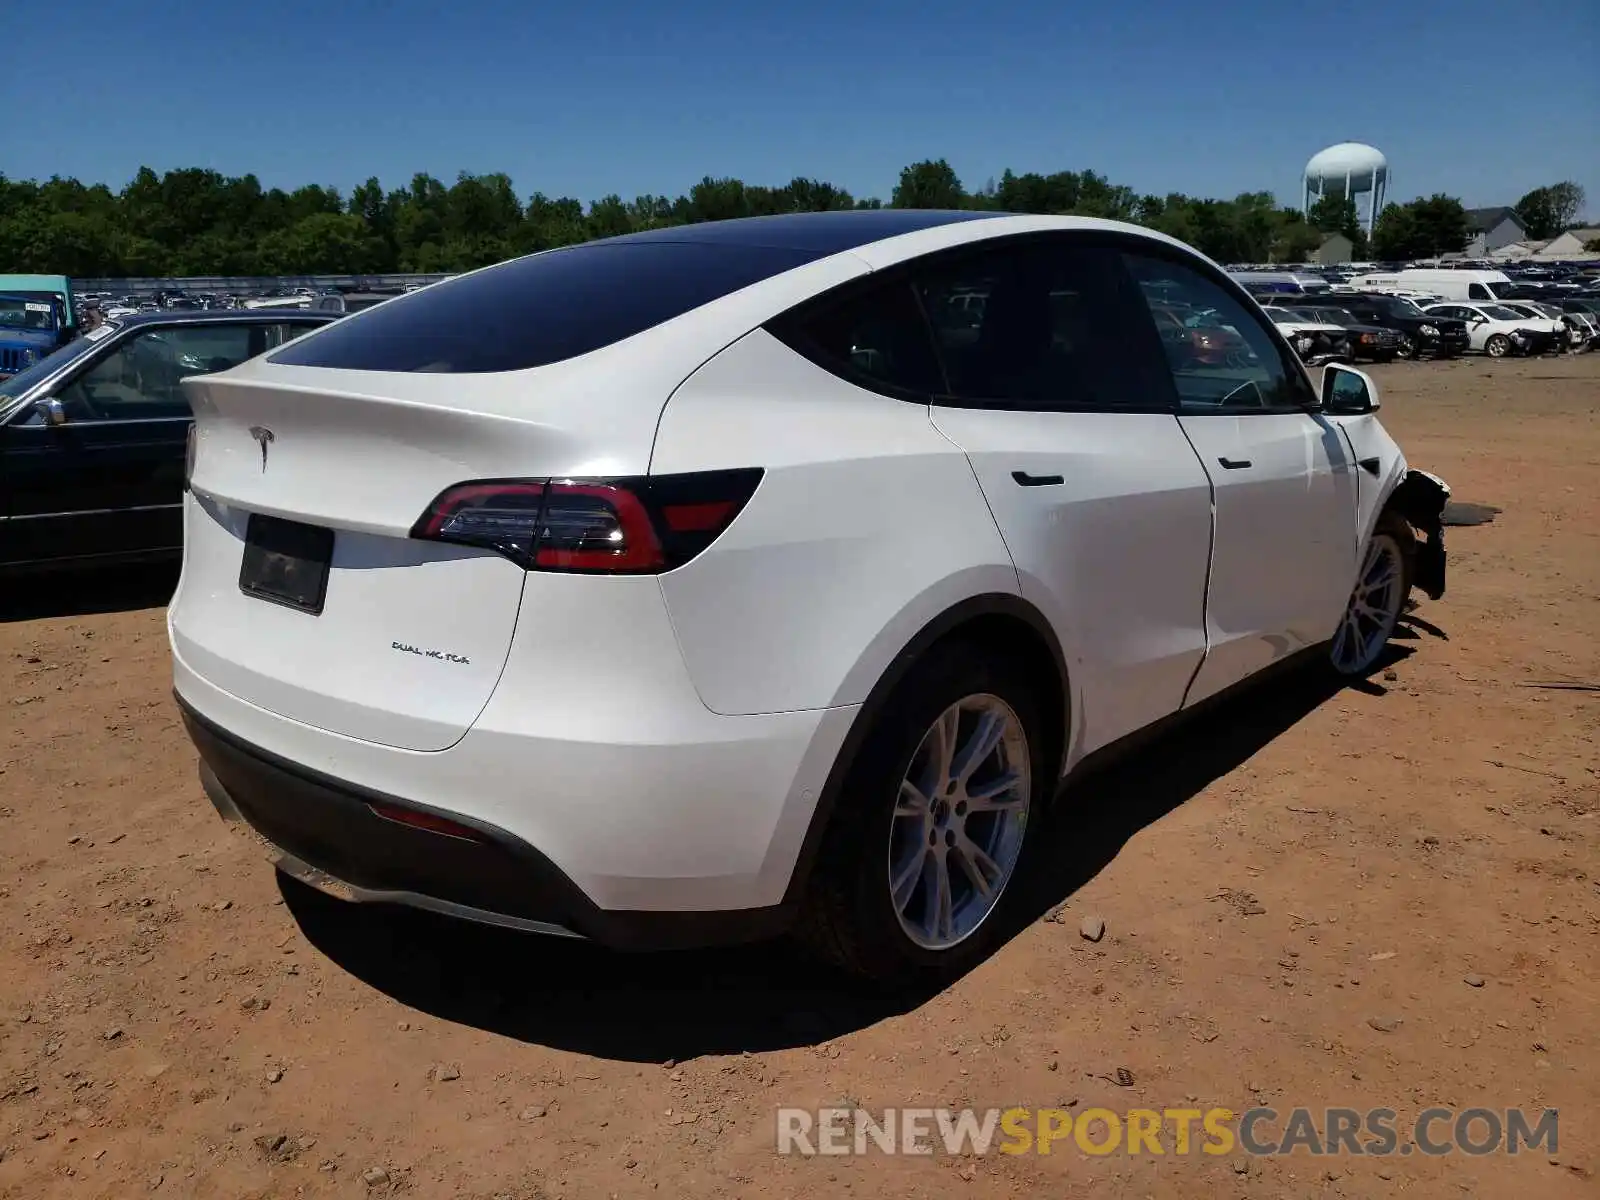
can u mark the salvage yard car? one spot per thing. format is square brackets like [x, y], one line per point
[92, 437]
[1583, 326]
[1568, 334]
[1314, 339]
[694, 584]
[37, 316]
[1366, 343]
[29, 330]
[1419, 333]
[1498, 331]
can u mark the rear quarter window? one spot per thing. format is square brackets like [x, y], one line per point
[541, 309]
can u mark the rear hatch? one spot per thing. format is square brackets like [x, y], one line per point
[401, 640]
[553, 366]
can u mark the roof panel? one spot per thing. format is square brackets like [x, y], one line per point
[817, 233]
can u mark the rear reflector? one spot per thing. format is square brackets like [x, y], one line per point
[697, 518]
[613, 526]
[425, 821]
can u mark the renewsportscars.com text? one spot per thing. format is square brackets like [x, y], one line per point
[1175, 1131]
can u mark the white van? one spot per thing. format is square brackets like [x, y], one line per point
[1452, 285]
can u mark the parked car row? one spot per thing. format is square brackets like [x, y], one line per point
[1429, 329]
[105, 305]
[1379, 327]
[1506, 313]
[1331, 334]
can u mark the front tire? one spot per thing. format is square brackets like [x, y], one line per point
[1407, 347]
[934, 824]
[1376, 601]
[1498, 346]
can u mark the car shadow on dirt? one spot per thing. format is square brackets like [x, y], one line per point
[81, 593]
[654, 1007]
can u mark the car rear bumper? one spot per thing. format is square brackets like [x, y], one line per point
[614, 804]
[329, 834]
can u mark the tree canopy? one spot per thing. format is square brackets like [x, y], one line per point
[1424, 228]
[1546, 211]
[195, 221]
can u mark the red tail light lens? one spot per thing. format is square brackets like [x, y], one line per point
[613, 526]
[426, 821]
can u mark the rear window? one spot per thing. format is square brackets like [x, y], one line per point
[541, 309]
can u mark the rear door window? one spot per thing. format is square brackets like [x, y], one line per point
[541, 309]
[1046, 325]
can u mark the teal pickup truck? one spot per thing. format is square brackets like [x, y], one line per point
[36, 318]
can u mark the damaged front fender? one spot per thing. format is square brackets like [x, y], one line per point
[1420, 498]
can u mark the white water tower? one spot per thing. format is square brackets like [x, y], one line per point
[1348, 169]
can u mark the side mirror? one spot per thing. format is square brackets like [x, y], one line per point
[1347, 392]
[51, 411]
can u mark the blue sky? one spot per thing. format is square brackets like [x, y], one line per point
[1478, 99]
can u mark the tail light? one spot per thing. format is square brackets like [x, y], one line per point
[642, 525]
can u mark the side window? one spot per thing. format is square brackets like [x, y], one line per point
[1476, 291]
[139, 379]
[274, 336]
[873, 336]
[1039, 326]
[1222, 356]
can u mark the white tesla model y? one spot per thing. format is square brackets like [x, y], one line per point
[681, 586]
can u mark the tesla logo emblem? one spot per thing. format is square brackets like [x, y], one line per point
[265, 437]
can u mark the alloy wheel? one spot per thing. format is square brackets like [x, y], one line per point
[960, 821]
[1374, 608]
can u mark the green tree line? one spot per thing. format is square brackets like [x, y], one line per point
[198, 222]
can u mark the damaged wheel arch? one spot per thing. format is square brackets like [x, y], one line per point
[1420, 498]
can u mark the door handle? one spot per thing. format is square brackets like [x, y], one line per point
[1027, 480]
[1371, 465]
[1234, 464]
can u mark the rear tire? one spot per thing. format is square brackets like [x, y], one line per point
[876, 904]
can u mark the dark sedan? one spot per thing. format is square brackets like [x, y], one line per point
[1372, 343]
[93, 437]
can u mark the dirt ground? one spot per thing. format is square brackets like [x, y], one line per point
[1296, 891]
